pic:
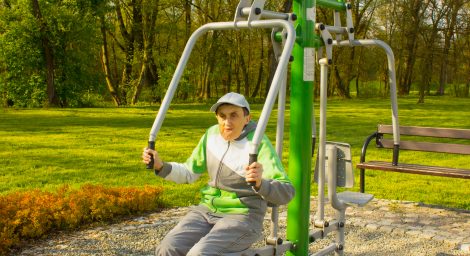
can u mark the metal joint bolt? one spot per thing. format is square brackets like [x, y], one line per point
[293, 17]
[257, 11]
[322, 27]
[351, 30]
[291, 58]
[329, 41]
[294, 247]
[340, 247]
[341, 224]
[349, 6]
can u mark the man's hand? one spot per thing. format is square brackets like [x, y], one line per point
[147, 155]
[254, 173]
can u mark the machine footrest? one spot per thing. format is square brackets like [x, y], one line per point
[355, 198]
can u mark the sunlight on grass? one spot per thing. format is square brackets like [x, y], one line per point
[46, 148]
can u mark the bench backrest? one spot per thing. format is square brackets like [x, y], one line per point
[454, 148]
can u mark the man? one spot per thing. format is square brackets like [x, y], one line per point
[230, 215]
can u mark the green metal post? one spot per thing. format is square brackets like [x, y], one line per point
[301, 105]
[332, 4]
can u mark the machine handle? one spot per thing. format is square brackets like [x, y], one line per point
[151, 145]
[253, 158]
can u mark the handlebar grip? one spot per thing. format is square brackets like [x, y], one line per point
[253, 158]
[151, 145]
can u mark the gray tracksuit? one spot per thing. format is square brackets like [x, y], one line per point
[227, 196]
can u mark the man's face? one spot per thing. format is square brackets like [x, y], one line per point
[231, 120]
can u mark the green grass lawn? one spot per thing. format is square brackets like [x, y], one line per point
[46, 148]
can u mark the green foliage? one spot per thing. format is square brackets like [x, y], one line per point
[35, 213]
[74, 37]
[220, 60]
[23, 81]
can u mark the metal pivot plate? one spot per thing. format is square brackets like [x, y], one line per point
[257, 4]
[238, 12]
[344, 172]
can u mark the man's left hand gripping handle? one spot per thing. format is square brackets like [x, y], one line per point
[150, 165]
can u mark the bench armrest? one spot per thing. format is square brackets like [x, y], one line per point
[363, 158]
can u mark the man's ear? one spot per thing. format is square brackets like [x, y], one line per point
[247, 120]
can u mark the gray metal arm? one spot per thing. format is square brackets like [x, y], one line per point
[391, 77]
[283, 62]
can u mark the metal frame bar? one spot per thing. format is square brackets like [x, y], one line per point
[336, 203]
[320, 216]
[283, 62]
[265, 14]
[391, 77]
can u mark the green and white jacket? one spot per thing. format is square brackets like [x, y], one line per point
[227, 191]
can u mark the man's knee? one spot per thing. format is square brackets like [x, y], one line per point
[168, 249]
[200, 249]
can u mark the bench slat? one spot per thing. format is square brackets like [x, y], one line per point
[416, 169]
[429, 146]
[427, 131]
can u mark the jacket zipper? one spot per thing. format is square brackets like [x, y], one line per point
[220, 166]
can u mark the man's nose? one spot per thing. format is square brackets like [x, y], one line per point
[228, 120]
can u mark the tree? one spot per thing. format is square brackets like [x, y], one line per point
[414, 10]
[149, 73]
[110, 81]
[449, 32]
[430, 36]
[48, 53]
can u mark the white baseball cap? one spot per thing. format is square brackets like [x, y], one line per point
[233, 99]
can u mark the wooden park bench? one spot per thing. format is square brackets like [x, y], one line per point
[459, 145]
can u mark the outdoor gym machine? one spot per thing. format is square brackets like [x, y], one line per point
[334, 158]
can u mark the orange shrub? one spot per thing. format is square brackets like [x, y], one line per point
[32, 214]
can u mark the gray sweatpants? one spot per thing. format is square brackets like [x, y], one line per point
[202, 233]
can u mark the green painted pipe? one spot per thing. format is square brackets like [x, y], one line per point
[337, 5]
[301, 101]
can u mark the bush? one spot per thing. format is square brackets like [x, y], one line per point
[34, 214]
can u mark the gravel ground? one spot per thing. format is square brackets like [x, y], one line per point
[139, 235]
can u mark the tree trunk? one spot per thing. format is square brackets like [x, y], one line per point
[237, 75]
[187, 11]
[129, 40]
[141, 81]
[110, 83]
[426, 75]
[7, 4]
[53, 99]
[260, 71]
[229, 75]
[148, 72]
[416, 11]
[448, 34]
[244, 68]
[339, 84]
[272, 69]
